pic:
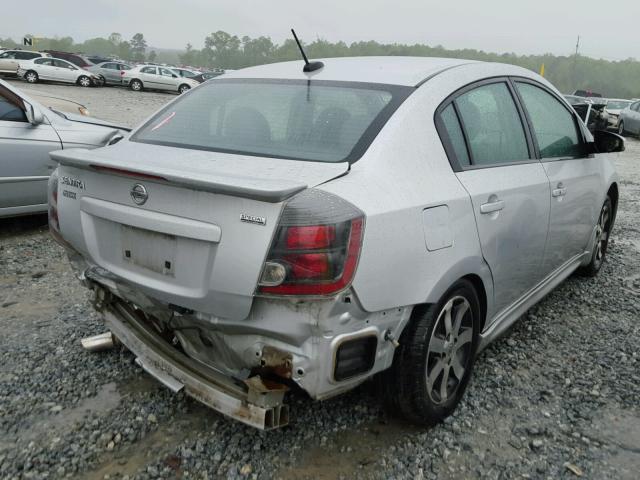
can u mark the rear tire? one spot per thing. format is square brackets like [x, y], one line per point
[136, 85]
[603, 232]
[31, 77]
[84, 81]
[432, 366]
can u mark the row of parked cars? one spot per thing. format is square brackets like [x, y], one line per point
[599, 113]
[76, 69]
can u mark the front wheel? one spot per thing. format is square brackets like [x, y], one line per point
[184, 88]
[432, 366]
[31, 77]
[84, 81]
[603, 231]
[621, 128]
[136, 85]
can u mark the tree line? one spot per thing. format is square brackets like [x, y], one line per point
[224, 50]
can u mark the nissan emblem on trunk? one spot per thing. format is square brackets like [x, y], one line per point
[139, 194]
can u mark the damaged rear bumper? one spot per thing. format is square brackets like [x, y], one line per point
[253, 402]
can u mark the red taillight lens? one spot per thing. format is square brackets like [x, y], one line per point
[309, 265]
[310, 237]
[316, 247]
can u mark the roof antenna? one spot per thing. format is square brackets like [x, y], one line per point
[308, 66]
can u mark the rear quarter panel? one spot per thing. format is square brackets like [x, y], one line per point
[404, 172]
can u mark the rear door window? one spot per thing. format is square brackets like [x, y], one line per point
[455, 135]
[492, 125]
[554, 126]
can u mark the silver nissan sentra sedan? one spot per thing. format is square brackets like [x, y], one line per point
[277, 228]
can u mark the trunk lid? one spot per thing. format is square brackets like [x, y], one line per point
[200, 238]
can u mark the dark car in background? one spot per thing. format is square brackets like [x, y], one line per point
[587, 93]
[75, 58]
[203, 77]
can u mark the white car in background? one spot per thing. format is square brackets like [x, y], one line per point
[152, 77]
[56, 70]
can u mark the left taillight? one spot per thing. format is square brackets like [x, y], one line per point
[316, 247]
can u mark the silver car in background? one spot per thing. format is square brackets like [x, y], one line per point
[110, 73]
[278, 228]
[28, 132]
[152, 77]
[613, 109]
[56, 70]
[629, 120]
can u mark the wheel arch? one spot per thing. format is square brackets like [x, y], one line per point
[481, 284]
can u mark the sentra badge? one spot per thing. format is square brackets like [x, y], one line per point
[72, 182]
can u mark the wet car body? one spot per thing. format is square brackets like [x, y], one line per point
[220, 252]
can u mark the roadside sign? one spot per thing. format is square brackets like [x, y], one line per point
[27, 41]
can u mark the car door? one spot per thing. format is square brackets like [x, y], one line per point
[8, 62]
[25, 165]
[574, 175]
[149, 77]
[45, 68]
[110, 72]
[509, 190]
[168, 79]
[66, 71]
[634, 119]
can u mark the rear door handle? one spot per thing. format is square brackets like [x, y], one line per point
[492, 206]
[559, 191]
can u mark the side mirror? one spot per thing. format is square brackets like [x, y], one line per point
[607, 142]
[34, 115]
[174, 75]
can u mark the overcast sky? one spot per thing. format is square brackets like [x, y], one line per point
[609, 30]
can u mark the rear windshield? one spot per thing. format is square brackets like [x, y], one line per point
[315, 120]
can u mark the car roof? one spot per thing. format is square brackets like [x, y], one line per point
[408, 71]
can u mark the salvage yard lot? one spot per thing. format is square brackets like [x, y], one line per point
[558, 397]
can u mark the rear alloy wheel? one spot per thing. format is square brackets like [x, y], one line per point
[621, 128]
[603, 231]
[84, 81]
[31, 77]
[136, 85]
[432, 366]
[184, 88]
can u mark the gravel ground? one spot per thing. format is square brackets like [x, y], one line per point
[558, 397]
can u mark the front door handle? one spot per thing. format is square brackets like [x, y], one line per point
[492, 206]
[559, 191]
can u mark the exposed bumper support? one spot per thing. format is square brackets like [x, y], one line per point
[253, 402]
[97, 343]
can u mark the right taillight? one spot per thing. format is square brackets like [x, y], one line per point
[316, 246]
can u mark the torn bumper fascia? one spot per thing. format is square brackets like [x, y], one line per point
[253, 402]
[305, 335]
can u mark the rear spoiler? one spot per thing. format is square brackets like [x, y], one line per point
[255, 188]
